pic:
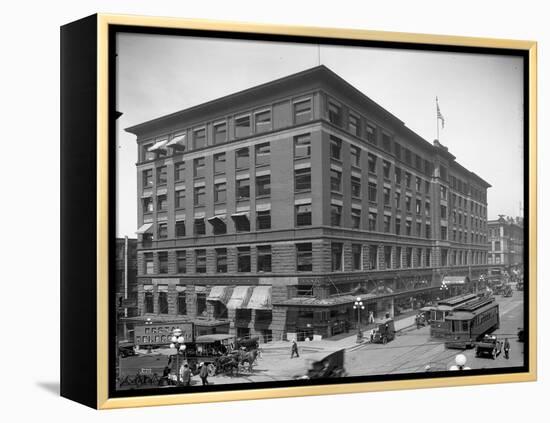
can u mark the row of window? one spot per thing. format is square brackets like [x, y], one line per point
[245, 125]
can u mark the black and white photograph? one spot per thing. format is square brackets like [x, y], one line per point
[299, 212]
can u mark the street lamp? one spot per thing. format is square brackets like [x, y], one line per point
[358, 305]
[177, 343]
[460, 361]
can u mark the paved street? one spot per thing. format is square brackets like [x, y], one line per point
[410, 352]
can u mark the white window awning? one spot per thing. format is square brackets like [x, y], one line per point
[158, 145]
[144, 228]
[219, 293]
[218, 219]
[239, 297]
[177, 142]
[260, 298]
[240, 215]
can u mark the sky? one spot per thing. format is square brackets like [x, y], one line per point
[480, 97]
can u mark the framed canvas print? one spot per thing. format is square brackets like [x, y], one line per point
[254, 211]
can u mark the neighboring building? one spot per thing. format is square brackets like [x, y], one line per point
[505, 245]
[126, 283]
[274, 208]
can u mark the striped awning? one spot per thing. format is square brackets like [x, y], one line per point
[239, 297]
[455, 280]
[219, 293]
[144, 228]
[260, 298]
[158, 145]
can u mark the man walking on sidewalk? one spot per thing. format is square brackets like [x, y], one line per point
[294, 349]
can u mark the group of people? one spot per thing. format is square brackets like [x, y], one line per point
[185, 375]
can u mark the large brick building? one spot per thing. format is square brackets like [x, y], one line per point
[273, 208]
[505, 244]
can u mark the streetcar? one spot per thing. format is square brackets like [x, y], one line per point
[436, 314]
[469, 322]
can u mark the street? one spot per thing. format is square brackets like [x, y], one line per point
[410, 352]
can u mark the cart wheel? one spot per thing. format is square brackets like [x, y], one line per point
[211, 369]
[384, 340]
[494, 354]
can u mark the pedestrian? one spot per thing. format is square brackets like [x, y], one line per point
[294, 349]
[203, 373]
[372, 335]
[185, 375]
[371, 317]
[506, 349]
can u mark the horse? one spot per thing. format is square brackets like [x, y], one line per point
[249, 357]
[225, 363]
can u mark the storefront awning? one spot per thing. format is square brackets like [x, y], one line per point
[144, 228]
[239, 297]
[158, 145]
[219, 293]
[260, 298]
[455, 280]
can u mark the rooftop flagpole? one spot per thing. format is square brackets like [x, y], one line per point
[437, 118]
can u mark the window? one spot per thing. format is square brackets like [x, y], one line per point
[335, 148]
[444, 257]
[181, 262]
[408, 203]
[497, 246]
[354, 124]
[334, 113]
[444, 232]
[243, 189]
[418, 208]
[242, 222]
[373, 190]
[220, 192]
[397, 172]
[371, 134]
[263, 219]
[162, 175]
[199, 196]
[182, 302]
[407, 156]
[199, 226]
[355, 218]
[162, 230]
[262, 154]
[180, 228]
[263, 185]
[373, 256]
[179, 171]
[356, 186]
[243, 259]
[335, 215]
[302, 179]
[443, 172]
[146, 154]
[161, 202]
[263, 121]
[387, 196]
[304, 257]
[443, 192]
[198, 167]
[427, 187]
[180, 198]
[147, 176]
[336, 249]
[263, 258]
[148, 302]
[355, 153]
[372, 221]
[220, 133]
[408, 257]
[221, 260]
[386, 142]
[147, 205]
[418, 228]
[397, 226]
[201, 304]
[302, 111]
[163, 262]
[372, 163]
[428, 230]
[219, 226]
[443, 210]
[418, 162]
[397, 150]
[357, 256]
[242, 158]
[387, 223]
[219, 163]
[408, 178]
[149, 263]
[200, 261]
[427, 208]
[397, 197]
[303, 214]
[428, 257]
[398, 257]
[199, 138]
[387, 257]
[242, 126]
[163, 301]
[335, 180]
[418, 184]
[408, 228]
[302, 146]
[386, 166]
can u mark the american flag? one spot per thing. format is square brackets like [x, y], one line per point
[439, 115]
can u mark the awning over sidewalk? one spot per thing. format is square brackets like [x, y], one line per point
[144, 228]
[260, 298]
[239, 297]
[455, 280]
[219, 293]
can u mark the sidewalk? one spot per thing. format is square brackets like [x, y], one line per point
[348, 341]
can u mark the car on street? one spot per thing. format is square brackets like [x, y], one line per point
[489, 346]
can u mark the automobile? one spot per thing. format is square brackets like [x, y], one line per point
[126, 349]
[488, 346]
[521, 335]
[507, 292]
[384, 332]
[325, 366]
